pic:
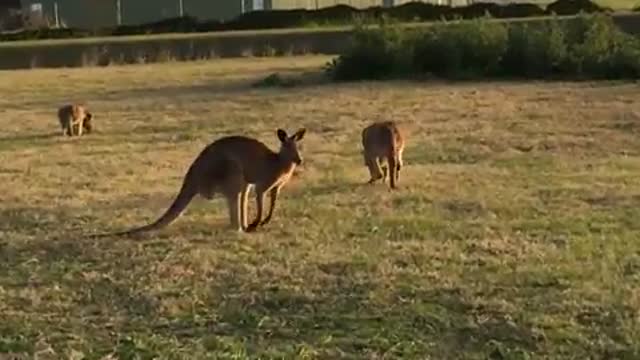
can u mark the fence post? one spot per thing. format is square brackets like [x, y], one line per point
[181, 8]
[56, 16]
[118, 12]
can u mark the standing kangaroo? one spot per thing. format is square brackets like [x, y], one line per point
[229, 166]
[74, 119]
[383, 140]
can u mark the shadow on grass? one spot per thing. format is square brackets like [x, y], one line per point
[336, 307]
[40, 221]
[290, 82]
[336, 311]
[93, 275]
[98, 137]
[29, 137]
[65, 222]
[28, 140]
[339, 316]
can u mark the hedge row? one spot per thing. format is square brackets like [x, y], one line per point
[340, 14]
[589, 46]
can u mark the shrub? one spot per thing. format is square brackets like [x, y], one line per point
[590, 46]
[472, 48]
[535, 51]
[275, 80]
[599, 49]
[375, 54]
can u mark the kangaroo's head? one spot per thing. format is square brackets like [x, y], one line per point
[289, 145]
[86, 124]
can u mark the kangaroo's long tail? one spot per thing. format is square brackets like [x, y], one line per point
[180, 203]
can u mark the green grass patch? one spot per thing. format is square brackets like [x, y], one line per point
[513, 234]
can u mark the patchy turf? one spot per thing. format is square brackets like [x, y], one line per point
[514, 234]
[619, 4]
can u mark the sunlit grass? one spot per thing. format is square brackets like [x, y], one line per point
[515, 230]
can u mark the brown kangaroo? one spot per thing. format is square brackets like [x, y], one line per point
[74, 119]
[383, 140]
[229, 166]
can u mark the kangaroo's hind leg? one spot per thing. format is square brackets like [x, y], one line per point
[80, 124]
[374, 168]
[399, 165]
[244, 206]
[260, 192]
[233, 202]
[393, 169]
[233, 187]
[65, 129]
[273, 193]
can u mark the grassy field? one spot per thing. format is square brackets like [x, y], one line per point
[514, 234]
[619, 4]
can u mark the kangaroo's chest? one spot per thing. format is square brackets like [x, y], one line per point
[284, 176]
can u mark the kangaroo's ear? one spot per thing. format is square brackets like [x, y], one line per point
[299, 134]
[282, 135]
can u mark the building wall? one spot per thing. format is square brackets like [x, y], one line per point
[144, 11]
[79, 13]
[140, 12]
[6, 5]
[212, 9]
[10, 18]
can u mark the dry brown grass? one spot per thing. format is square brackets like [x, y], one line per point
[515, 231]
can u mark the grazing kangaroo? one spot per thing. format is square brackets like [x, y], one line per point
[229, 166]
[74, 119]
[383, 140]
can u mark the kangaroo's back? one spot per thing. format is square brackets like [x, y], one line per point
[252, 156]
[243, 148]
[383, 137]
[73, 111]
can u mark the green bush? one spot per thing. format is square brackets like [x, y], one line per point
[434, 53]
[535, 51]
[590, 46]
[375, 54]
[468, 49]
[599, 49]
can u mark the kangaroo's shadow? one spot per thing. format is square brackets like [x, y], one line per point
[248, 308]
[29, 137]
